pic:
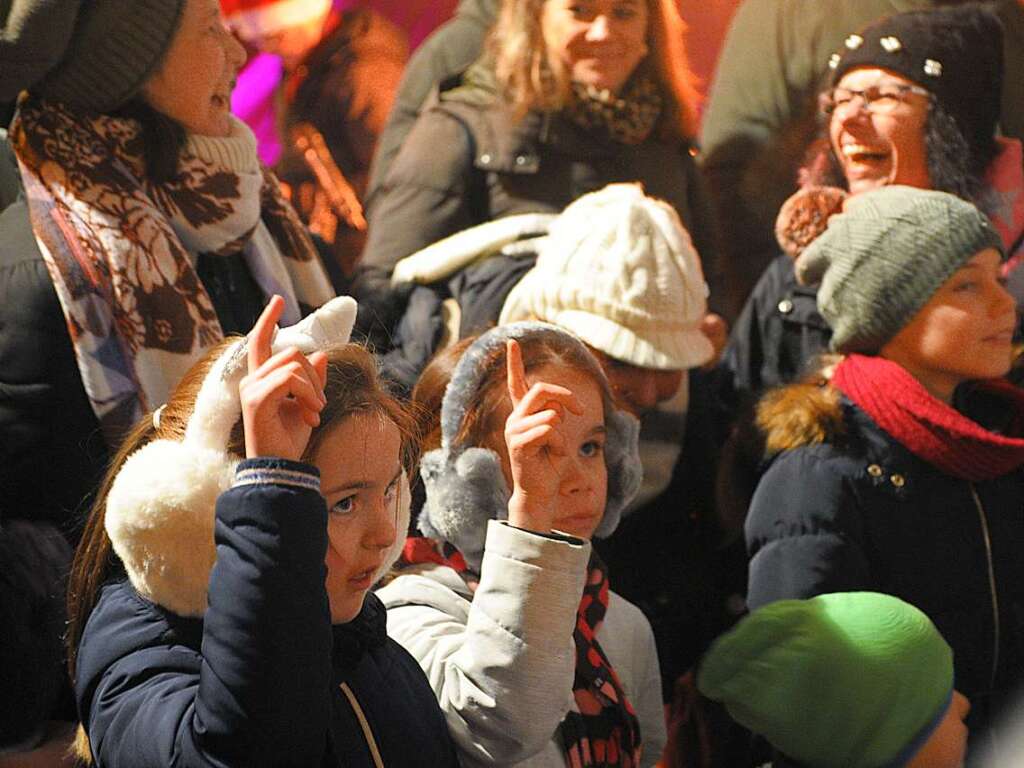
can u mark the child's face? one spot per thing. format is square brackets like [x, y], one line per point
[964, 332]
[360, 472]
[582, 472]
[947, 746]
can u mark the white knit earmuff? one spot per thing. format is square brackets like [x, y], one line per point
[160, 509]
[465, 486]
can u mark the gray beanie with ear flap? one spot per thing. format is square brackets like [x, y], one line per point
[465, 486]
[885, 256]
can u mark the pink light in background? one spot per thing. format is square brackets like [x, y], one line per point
[253, 102]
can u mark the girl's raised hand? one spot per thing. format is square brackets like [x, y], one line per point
[282, 395]
[535, 445]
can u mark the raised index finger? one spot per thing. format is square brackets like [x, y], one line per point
[517, 387]
[261, 337]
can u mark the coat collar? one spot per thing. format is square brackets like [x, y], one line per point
[354, 639]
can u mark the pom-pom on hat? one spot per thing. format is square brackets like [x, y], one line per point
[850, 680]
[91, 55]
[255, 18]
[955, 53]
[619, 270]
[884, 257]
[805, 215]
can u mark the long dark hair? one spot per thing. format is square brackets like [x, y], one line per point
[954, 164]
[162, 139]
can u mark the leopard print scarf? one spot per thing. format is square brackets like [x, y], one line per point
[628, 118]
[121, 251]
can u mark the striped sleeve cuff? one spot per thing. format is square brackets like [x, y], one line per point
[277, 472]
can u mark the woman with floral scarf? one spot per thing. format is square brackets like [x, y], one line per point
[147, 231]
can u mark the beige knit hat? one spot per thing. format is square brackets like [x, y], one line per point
[618, 269]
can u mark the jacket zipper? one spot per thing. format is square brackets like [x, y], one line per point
[364, 724]
[991, 582]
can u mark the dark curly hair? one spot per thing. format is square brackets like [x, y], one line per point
[954, 165]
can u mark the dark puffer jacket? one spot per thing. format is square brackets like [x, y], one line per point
[778, 334]
[259, 680]
[467, 161]
[845, 507]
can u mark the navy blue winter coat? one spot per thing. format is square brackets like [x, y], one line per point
[777, 335]
[258, 680]
[845, 507]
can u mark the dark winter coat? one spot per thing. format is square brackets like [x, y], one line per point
[52, 453]
[34, 687]
[258, 680]
[778, 334]
[467, 161]
[843, 506]
[449, 51]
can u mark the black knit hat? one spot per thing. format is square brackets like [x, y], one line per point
[955, 53]
[93, 55]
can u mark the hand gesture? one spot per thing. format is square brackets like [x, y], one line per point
[281, 394]
[535, 445]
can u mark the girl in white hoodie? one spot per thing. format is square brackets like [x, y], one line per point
[533, 659]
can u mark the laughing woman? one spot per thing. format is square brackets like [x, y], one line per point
[914, 100]
[147, 231]
[899, 469]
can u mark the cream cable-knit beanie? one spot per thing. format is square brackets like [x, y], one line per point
[619, 270]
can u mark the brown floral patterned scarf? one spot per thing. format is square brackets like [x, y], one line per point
[628, 118]
[121, 251]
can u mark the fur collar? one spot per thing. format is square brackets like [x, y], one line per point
[808, 412]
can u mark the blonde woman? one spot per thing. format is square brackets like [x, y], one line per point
[568, 97]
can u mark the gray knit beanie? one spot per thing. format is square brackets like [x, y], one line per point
[90, 55]
[884, 257]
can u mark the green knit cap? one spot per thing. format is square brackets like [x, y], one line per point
[885, 256]
[91, 55]
[852, 679]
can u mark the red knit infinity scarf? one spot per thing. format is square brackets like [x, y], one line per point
[927, 427]
[605, 731]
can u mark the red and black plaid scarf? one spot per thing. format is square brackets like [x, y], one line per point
[604, 731]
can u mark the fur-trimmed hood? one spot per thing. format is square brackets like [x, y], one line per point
[808, 412]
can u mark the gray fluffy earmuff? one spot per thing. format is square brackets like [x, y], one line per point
[465, 486]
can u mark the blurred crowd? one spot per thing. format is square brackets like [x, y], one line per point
[511, 382]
